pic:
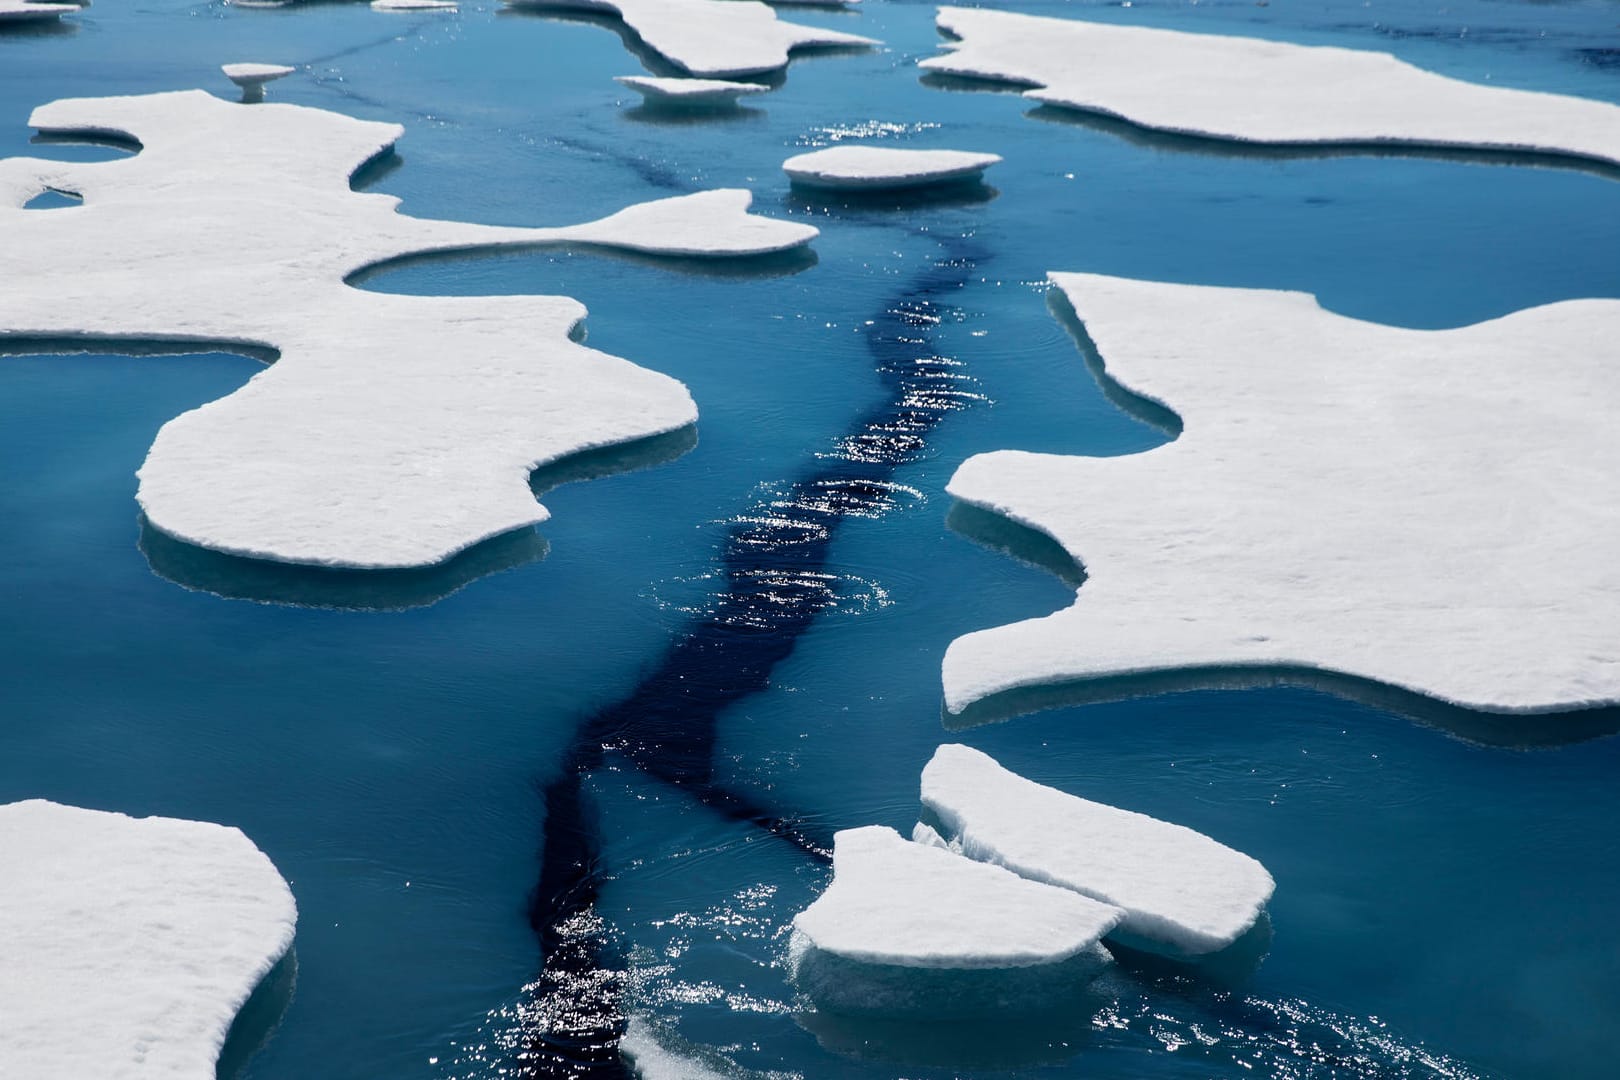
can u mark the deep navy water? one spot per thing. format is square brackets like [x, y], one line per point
[1444, 907]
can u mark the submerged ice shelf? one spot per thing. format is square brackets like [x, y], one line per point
[1250, 90]
[129, 944]
[715, 38]
[1426, 509]
[1181, 892]
[393, 431]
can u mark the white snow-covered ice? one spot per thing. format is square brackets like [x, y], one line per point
[907, 927]
[251, 77]
[128, 945]
[413, 5]
[880, 167]
[394, 430]
[714, 38]
[1428, 509]
[1181, 891]
[1263, 91]
[17, 11]
[690, 91]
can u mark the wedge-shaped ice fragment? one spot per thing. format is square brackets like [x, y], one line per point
[878, 167]
[19, 11]
[127, 945]
[689, 92]
[717, 38]
[911, 928]
[1181, 891]
[1263, 91]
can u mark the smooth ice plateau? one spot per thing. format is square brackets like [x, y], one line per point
[19, 11]
[1181, 892]
[129, 944]
[880, 167]
[392, 431]
[1427, 509]
[714, 38]
[1259, 91]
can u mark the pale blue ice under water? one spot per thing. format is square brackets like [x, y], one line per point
[1443, 907]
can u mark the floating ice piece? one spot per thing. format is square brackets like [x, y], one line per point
[16, 11]
[129, 943]
[252, 77]
[1181, 891]
[689, 91]
[642, 1049]
[413, 5]
[715, 38]
[1264, 91]
[1429, 509]
[879, 167]
[908, 927]
[393, 431]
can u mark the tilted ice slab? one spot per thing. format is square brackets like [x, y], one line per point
[394, 430]
[12, 11]
[908, 927]
[717, 38]
[1181, 891]
[1429, 509]
[877, 167]
[689, 91]
[1264, 91]
[129, 944]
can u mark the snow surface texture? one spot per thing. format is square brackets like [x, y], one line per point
[393, 431]
[907, 927]
[15, 11]
[1181, 892]
[129, 944]
[1431, 510]
[689, 91]
[715, 38]
[879, 167]
[1264, 91]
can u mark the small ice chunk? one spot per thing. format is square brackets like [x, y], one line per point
[249, 74]
[872, 167]
[129, 944]
[413, 5]
[645, 1052]
[907, 927]
[689, 91]
[1182, 892]
[252, 77]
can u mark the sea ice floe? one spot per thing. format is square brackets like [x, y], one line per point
[413, 5]
[129, 944]
[909, 928]
[16, 11]
[715, 38]
[1263, 91]
[690, 91]
[394, 430]
[1181, 891]
[252, 77]
[1428, 509]
[880, 167]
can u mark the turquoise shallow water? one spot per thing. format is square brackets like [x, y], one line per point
[1442, 907]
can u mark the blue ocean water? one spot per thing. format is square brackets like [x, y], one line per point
[1443, 907]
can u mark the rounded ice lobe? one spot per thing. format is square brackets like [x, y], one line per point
[906, 928]
[881, 167]
[129, 944]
